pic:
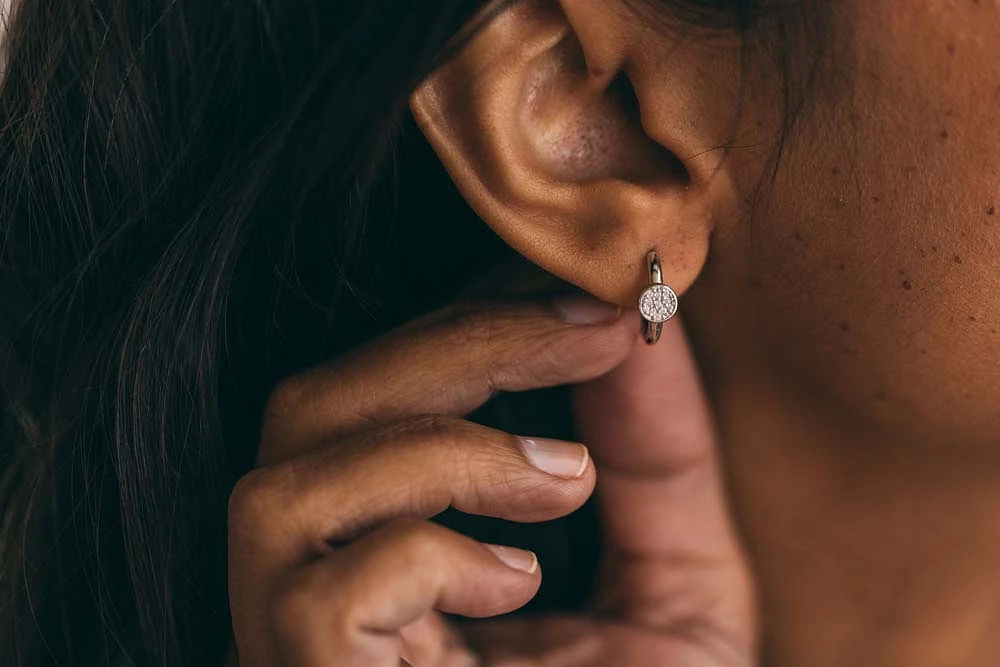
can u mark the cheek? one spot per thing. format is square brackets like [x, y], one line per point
[870, 278]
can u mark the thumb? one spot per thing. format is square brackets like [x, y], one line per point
[648, 428]
[669, 540]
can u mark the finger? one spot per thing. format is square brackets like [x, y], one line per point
[348, 608]
[431, 640]
[447, 363]
[647, 425]
[558, 641]
[515, 277]
[671, 550]
[539, 642]
[285, 514]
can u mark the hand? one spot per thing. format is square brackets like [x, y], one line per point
[674, 590]
[332, 561]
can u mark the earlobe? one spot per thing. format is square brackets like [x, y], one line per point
[548, 138]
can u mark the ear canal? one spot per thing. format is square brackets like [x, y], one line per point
[584, 128]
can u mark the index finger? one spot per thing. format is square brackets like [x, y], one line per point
[448, 363]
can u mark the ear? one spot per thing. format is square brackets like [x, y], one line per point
[586, 138]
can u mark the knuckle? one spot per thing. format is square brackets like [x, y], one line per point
[473, 324]
[541, 357]
[469, 464]
[253, 502]
[434, 428]
[284, 394]
[480, 454]
[479, 464]
[420, 540]
[509, 486]
[506, 345]
[450, 440]
[509, 476]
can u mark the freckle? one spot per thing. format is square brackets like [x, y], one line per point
[798, 237]
[907, 285]
[835, 171]
[972, 318]
[755, 284]
[933, 248]
[901, 272]
[944, 134]
[966, 395]
[882, 395]
[845, 327]
[923, 350]
[992, 210]
[876, 199]
[949, 112]
[957, 259]
[993, 331]
[951, 49]
[842, 267]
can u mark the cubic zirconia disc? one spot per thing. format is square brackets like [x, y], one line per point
[658, 303]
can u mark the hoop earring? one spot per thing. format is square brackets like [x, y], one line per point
[657, 303]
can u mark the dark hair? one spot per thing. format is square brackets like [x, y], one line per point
[155, 156]
[189, 189]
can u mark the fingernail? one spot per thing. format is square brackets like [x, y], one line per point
[519, 559]
[556, 457]
[583, 309]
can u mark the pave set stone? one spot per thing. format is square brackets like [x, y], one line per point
[658, 303]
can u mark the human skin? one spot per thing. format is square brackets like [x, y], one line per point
[859, 402]
[332, 560]
[846, 323]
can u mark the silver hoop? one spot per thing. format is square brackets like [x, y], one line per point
[657, 303]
